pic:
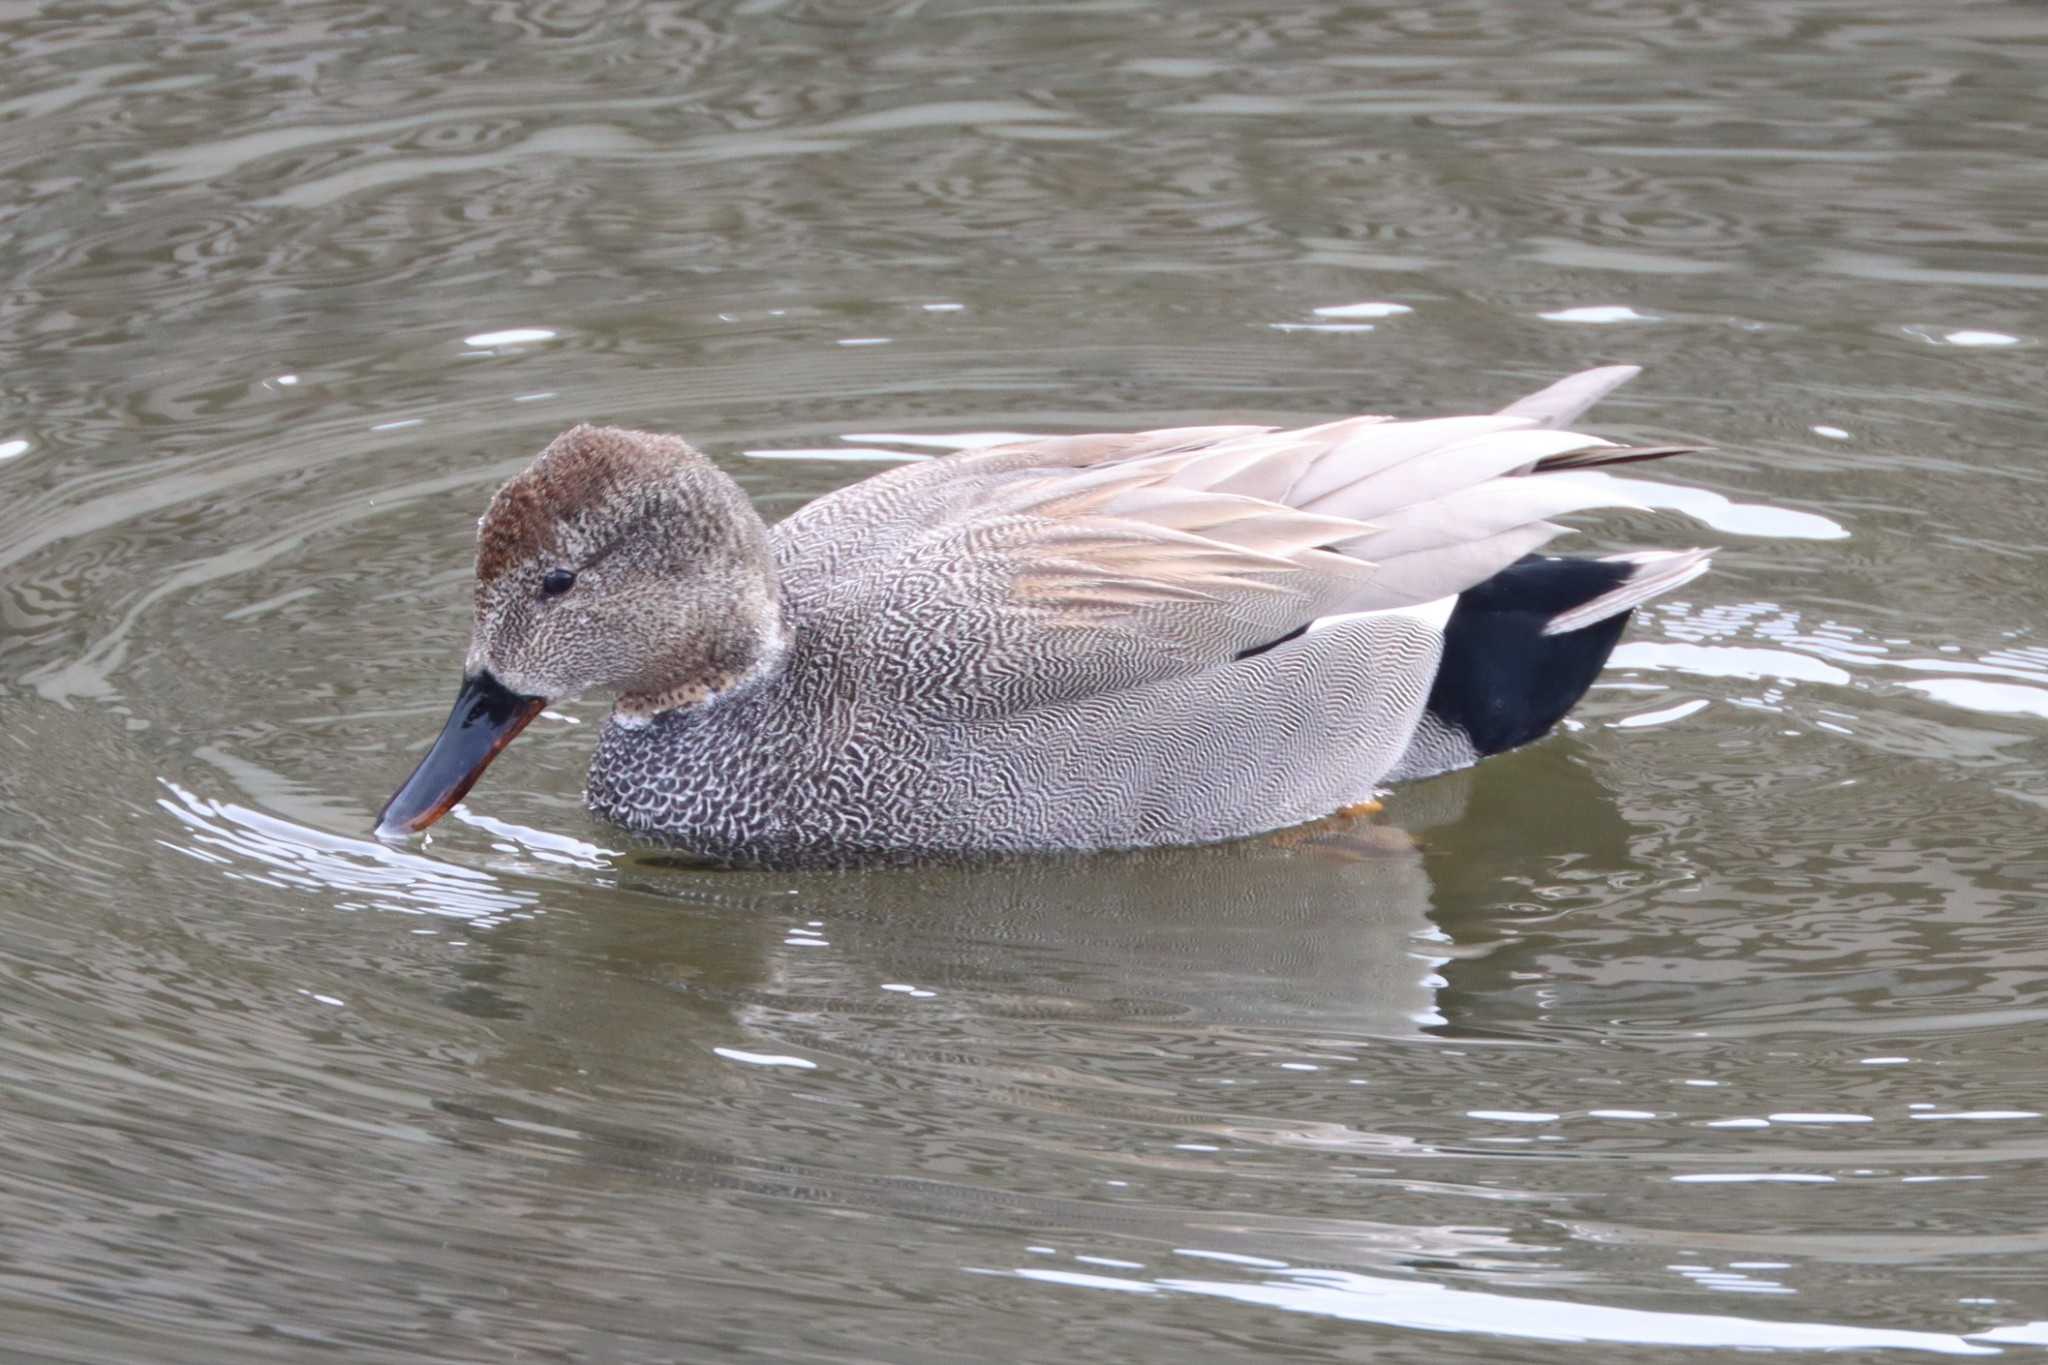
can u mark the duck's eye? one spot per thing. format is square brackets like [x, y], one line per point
[555, 582]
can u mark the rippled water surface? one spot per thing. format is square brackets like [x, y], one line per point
[1713, 1021]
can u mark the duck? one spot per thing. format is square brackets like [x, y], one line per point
[1063, 644]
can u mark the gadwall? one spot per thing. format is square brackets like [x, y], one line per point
[1069, 643]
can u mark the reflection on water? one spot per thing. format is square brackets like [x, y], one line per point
[1711, 1023]
[1437, 1308]
[249, 845]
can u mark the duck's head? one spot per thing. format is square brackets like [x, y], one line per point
[618, 561]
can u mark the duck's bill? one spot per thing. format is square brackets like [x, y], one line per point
[487, 715]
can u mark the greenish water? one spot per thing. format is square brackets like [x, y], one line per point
[1711, 1022]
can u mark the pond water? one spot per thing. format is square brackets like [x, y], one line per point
[1714, 1021]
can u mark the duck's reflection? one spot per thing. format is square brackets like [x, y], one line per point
[1009, 1044]
[1383, 926]
[1326, 928]
[1491, 839]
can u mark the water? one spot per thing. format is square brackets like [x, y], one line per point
[1713, 1022]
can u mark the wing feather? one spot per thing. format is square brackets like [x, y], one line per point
[1446, 470]
[1372, 449]
[1406, 580]
[1568, 399]
[1475, 513]
[1061, 567]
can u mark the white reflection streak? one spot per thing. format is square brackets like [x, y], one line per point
[1727, 661]
[840, 453]
[958, 440]
[876, 445]
[1721, 513]
[1599, 313]
[1796, 655]
[1429, 1307]
[766, 1058]
[511, 336]
[1363, 310]
[1963, 337]
[1647, 719]
[1999, 699]
[542, 844]
[372, 875]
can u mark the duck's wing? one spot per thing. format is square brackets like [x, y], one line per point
[871, 522]
[1054, 570]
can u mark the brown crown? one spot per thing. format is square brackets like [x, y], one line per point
[580, 469]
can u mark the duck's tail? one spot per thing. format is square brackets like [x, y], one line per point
[1521, 648]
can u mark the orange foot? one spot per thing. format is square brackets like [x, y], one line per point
[1297, 835]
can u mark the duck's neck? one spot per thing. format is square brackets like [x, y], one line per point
[747, 657]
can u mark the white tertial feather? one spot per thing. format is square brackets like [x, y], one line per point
[1435, 615]
[1425, 576]
[1249, 522]
[1657, 572]
[1382, 445]
[1445, 471]
[1268, 465]
[1567, 400]
[1482, 510]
